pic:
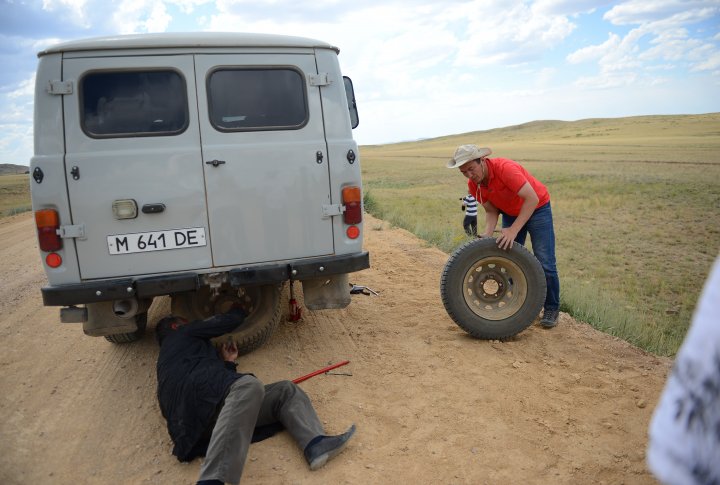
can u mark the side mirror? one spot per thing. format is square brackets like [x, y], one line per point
[352, 106]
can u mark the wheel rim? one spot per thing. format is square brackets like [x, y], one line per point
[204, 303]
[495, 288]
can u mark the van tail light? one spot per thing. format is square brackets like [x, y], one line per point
[352, 200]
[353, 232]
[48, 222]
[53, 260]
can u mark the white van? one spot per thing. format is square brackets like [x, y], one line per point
[210, 167]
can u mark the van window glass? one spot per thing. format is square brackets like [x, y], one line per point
[132, 103]
[257, 99]
[352, 105]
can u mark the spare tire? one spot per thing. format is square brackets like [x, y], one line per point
[492, 293]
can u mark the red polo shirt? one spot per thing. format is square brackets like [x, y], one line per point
[505, 179]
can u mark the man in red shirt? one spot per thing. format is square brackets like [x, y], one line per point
[503, 186]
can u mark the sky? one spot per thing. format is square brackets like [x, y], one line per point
[421, 69]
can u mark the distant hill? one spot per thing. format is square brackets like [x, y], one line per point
[9, 168]
[662, 138]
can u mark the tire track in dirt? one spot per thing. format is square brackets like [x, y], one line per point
[22, 274]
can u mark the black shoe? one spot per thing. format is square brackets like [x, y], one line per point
[550, 318]
[323, 448]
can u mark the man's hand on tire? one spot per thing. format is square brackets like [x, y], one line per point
[229, 351]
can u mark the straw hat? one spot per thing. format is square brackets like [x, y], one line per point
[465, 153]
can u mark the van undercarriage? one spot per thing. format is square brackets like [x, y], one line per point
[117, 308]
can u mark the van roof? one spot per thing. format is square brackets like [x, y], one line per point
[186, 40]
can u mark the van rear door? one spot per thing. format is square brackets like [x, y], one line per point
[133, 165]
[265, 157]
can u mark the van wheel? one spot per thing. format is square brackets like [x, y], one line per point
[126, 338]
[263, 301]
[492, 293]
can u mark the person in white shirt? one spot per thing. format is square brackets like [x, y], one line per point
[470, 206]
[684, 441]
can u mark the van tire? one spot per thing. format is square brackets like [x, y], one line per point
[492, 293]
[265, 312]
[126, 338]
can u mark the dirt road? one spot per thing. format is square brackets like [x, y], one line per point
[432, 405]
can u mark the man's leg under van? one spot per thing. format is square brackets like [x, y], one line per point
[233, 431]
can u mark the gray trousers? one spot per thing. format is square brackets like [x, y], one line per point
[249, 404]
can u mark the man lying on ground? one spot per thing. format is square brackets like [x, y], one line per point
[213, 411]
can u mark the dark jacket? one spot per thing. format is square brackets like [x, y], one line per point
[193, 381]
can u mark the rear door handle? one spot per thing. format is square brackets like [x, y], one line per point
[215, 163]
[153, 208]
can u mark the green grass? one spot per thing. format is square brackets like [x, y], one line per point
[636, 203]
[14, 194]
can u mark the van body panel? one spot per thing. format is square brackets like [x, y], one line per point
[48, 124]
[240, 144]
[164, 170]
[190, 41]
[341, 146]
[51, 191]
[265, 201]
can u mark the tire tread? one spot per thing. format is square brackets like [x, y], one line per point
[473, 324]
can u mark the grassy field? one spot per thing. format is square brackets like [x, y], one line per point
[14, 194]
[636, 203]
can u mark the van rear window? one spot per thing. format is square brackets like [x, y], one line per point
[257, 99]
[133, 103]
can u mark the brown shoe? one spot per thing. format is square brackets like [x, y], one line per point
[550, 318]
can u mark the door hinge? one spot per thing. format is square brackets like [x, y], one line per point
[68, 232]
[60, 87]
[330, 210]
[322, 79]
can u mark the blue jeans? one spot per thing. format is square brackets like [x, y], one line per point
[542, 235]
[470, 225]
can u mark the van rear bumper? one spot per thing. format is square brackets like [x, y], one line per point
[146, 287]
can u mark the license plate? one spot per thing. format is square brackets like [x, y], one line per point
[142, 242]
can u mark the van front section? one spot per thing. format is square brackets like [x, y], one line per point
[215, 170]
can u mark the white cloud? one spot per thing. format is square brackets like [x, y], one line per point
[546, 76]
[40, 44]
[135, 16]
[568, 7]
[711, 63]
[676, 48]
[187, 6]
[77, 9]
[14, 137]
[664, 11]
[614, 55]
[17, 112]
[509, 32]
[26, 88]
[158, 18]
[595, 52]
[664, 26]
[606, 81]
[16, 142]
[394, 59]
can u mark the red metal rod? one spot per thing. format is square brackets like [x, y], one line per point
[321, 371]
